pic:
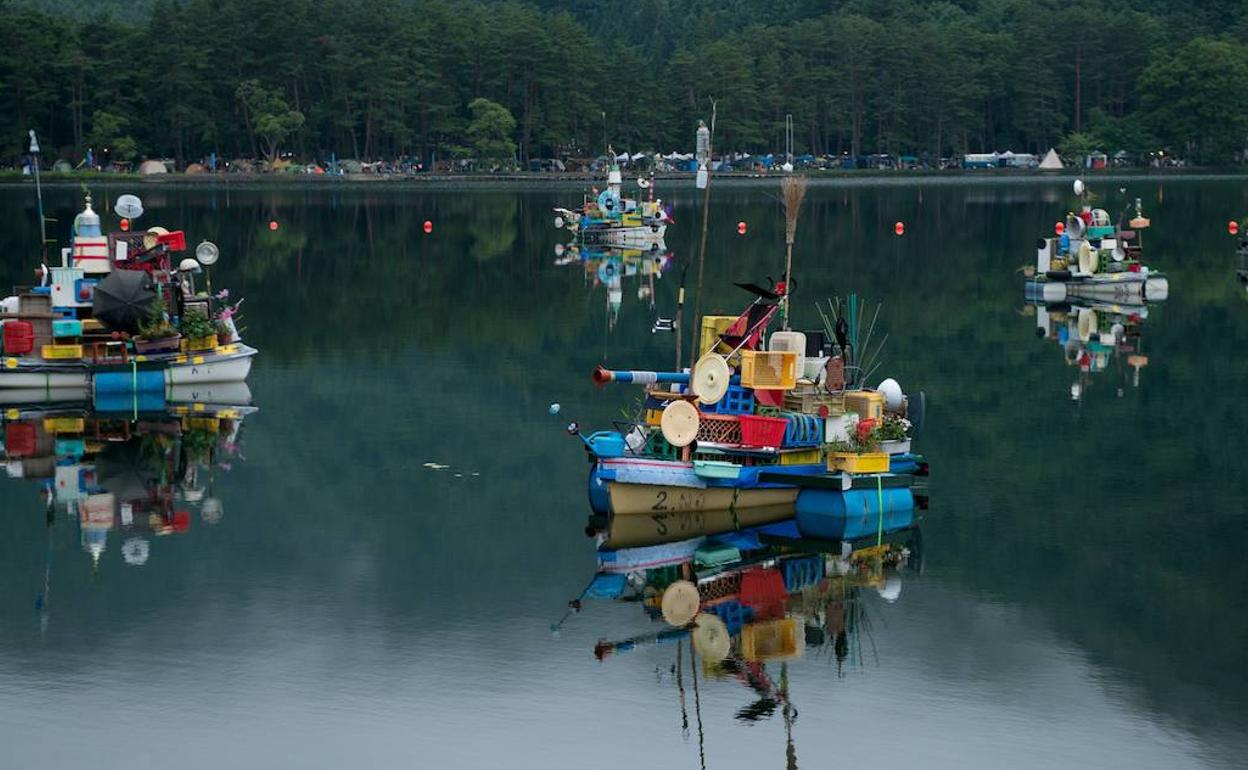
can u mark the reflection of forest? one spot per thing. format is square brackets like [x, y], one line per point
[1131, 569]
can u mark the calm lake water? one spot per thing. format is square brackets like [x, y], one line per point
[403, 520]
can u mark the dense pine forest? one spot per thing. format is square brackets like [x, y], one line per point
[385, 79]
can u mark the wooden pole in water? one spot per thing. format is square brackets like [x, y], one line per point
[706, 214]
[792, 191]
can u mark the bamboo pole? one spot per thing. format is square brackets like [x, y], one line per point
[706, 215]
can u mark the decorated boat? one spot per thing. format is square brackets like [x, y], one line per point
[119, 317]
[1092, 257]
[609, 267]
[607, 218]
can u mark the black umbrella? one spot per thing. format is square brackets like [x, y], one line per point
[122, 299]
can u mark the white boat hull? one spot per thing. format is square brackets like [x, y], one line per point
[185, 370]
[643, 237]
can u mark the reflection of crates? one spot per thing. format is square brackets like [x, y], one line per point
[736, 401]
[720, 428]
[733, 613]
[712, 327]
[60, 352]
[723, 587]
[868, 404]
[64, 424]
[800, 572]
[773, 640]
[769, 370]
[811, 399]
[760, 431]
[849, 462]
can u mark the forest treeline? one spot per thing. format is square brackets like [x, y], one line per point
[384, 79]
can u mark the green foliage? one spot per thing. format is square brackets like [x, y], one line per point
[156, 325]
[1077, 146]
[490, 131]
[196, 325]
[386, 79]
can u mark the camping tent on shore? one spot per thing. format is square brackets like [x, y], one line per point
[1051, 162]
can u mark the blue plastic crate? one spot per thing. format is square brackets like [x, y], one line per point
[66, 327]
[734, 614]
[737, 400]
[803, 429]
[801, 572]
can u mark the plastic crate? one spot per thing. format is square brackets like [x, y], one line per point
[66, 327]
[62, 352]
[801, 572]
[733, 613]
[657, 446]
[737, 400]
[720, 429]
[712, 327]
[868, 404]
[21, 439]
[812, 399]
[758, 431]
[762, 590]
[803, 430]
[849, 462]
[19, 337]
[802, 457]
[780, 639]
[64, 424]
[769, 370]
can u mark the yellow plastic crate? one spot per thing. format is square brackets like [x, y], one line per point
[803, 457]
[867, 404]
[850, 462]
[769, 370]
[62, 352]
[773, 640]
[654, 417]
[712, 327]
[64, 424]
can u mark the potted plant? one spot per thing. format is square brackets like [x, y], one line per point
[861, 452]
[199, 331]
[156, 334]
[894, 438]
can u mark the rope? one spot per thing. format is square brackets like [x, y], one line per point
[879, 492]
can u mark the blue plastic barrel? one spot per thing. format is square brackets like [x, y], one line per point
[140, 381]
[831, 515]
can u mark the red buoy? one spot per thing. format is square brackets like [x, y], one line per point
[125, 225]
[900, 228]
[1059, 227]
[741, 228]
[1232, 227]
[428, 226]
[272, 224]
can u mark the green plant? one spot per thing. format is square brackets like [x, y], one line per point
[893, 428]
[156, 325]
[196, 325]
[198, 444]
[221, 328]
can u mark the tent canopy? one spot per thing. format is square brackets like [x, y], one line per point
[1051, 161]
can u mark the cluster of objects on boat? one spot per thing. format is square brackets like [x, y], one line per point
[119, 318]
[1091, 257]
[607, 218]
[763, 428]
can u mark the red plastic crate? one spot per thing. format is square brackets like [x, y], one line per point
[762, 431]
[763, 591]
[174, 241]
[19, 337]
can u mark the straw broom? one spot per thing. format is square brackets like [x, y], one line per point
[792, 191]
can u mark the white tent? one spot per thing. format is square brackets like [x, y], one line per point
[1051, 162]
[149, 167]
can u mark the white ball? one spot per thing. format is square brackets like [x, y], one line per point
[893, 395]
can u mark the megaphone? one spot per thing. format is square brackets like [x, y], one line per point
[1089, 260]
[1075, 227]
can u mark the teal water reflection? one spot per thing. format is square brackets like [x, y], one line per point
[408, 520]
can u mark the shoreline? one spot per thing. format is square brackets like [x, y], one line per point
[839, 176]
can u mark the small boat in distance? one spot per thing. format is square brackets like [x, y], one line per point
[607, 218]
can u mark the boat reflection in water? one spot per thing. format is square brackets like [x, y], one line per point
[126, 474]
[1096, 337]
[740, 607]
[610, 267]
